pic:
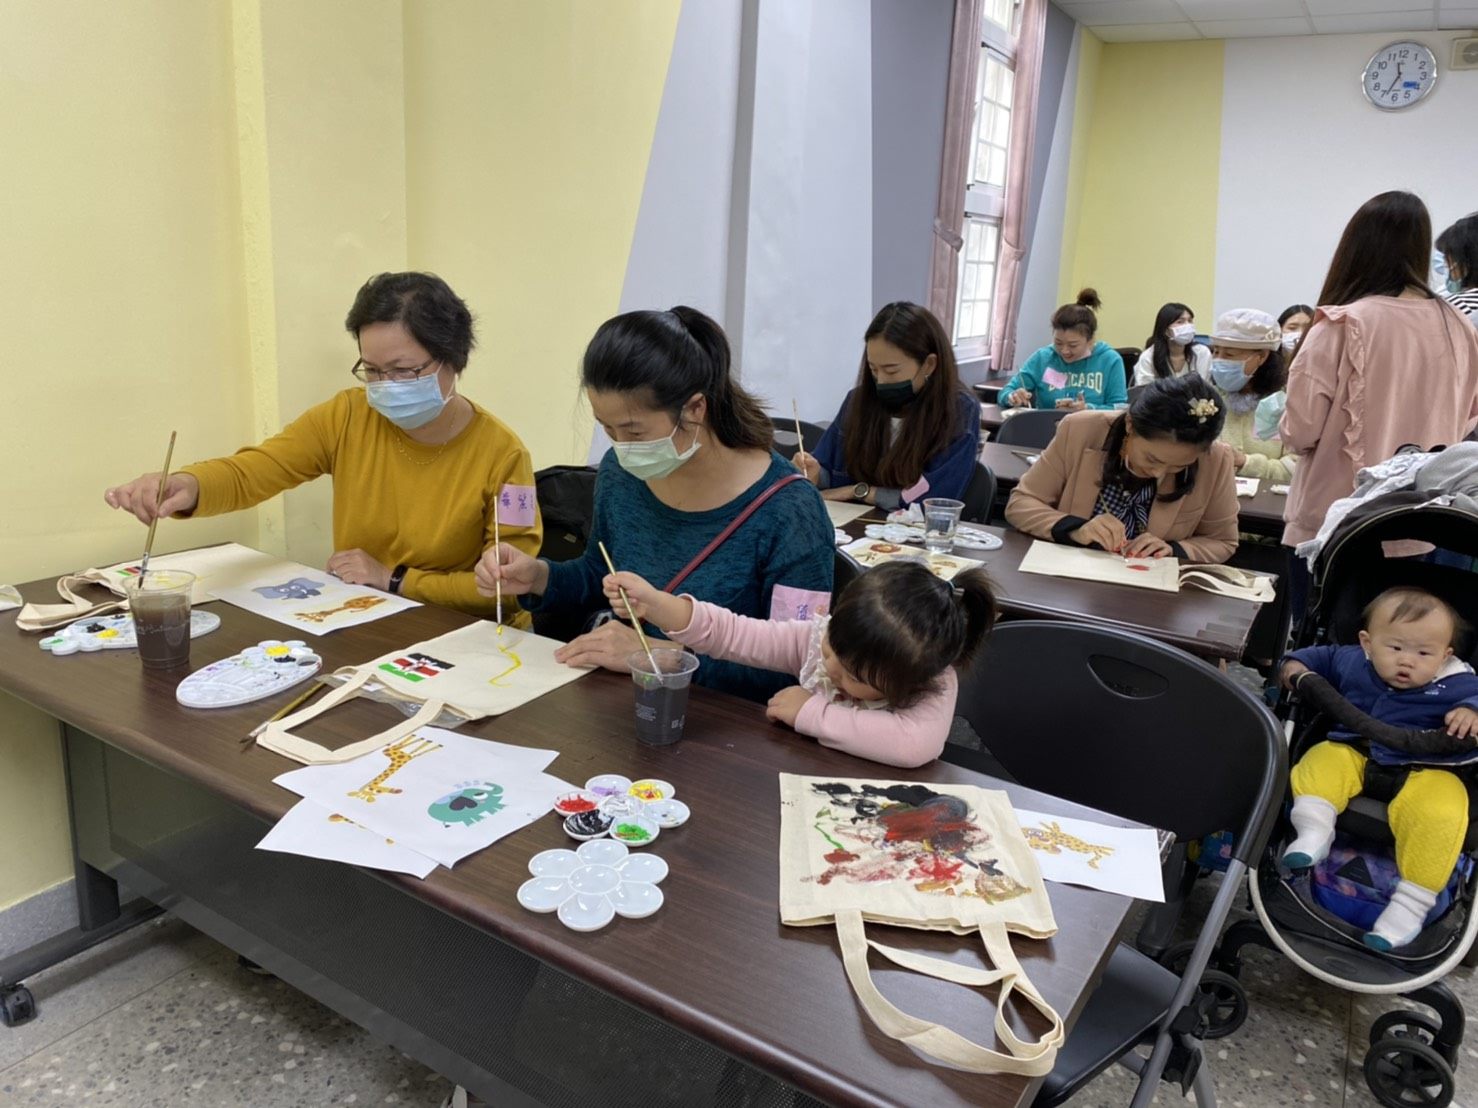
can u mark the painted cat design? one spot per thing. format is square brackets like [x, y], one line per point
[399, 754]
[1050, 838]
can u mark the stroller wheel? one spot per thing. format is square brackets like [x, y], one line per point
[1228, 1010]
[1406, 1073]
[1403, 1023]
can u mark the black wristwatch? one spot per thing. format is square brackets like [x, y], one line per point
[860, 490]
[397, 575]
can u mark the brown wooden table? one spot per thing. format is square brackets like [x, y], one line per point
[1202, 623]
[714, 962]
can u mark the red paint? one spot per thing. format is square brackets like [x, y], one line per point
[1142, 569]
[937, 868]
[575, 804]
[837, 857]
[926, 824]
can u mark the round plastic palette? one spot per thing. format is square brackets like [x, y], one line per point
[614, 806]
[971, 538]
[258, 671]
[589, 887]
[113, 633]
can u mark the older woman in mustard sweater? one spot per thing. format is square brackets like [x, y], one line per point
[418, 468]
[1247, 367]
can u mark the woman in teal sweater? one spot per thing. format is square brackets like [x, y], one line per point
[1074, 372]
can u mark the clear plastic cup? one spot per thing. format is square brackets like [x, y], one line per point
[941, 517]
[661, 696]
[160, 605]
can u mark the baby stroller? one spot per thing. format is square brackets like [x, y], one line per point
[1411, 1056]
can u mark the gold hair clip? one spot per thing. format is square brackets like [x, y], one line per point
[1203, 408]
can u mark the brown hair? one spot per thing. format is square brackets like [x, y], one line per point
[930, 421]
[1410, 604]
[898, 627]
[1079, 316]
[1385, 249]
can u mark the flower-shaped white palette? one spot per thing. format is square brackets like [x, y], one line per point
[972, 538]
[589, 887]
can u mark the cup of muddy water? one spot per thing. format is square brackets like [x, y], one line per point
[661, 695]
[160, 605]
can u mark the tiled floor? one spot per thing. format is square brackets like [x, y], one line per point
[164, 1016]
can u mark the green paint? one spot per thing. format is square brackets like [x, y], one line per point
[827, 837]
[631, 832]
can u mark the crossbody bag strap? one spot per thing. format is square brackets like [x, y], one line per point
[734, 525]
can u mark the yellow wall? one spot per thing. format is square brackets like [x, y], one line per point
[1145, 231]
[194, 190]
[527, 133]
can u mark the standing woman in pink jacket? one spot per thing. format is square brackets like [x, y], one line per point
[1386, 363]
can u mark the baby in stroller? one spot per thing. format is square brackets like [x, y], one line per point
[1404, 674]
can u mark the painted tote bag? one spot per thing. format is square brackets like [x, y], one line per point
[933, 856]
[454, 678]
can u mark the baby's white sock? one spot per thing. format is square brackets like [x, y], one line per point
[1313, 822]
[1403, 917]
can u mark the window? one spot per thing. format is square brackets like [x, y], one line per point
[985, 183]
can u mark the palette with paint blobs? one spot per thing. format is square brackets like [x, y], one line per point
[113, 633]
[258, 671]
[631, 812]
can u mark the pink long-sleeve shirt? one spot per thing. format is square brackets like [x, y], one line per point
[911, 737]
[1369, 378]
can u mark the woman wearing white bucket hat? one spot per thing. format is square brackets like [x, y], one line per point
[1247, 367]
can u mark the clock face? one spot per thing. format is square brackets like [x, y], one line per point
[1399, 76]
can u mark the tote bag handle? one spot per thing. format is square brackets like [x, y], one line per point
[278, 737]
[1026, 1059]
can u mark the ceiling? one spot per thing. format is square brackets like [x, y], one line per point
[1162, 20]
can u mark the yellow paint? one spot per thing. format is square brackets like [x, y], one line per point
[528, 127]
[515, 663]
[1146, 224]
[1090, 62]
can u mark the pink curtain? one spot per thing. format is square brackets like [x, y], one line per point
[1009, 273]
[949, 216]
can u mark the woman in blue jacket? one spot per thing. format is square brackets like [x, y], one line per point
[907, 430]
[1074, 372]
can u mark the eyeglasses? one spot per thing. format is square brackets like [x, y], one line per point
[368, 373]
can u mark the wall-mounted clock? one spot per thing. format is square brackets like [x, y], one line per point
[1398, 76]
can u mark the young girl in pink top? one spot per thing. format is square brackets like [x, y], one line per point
[876, 676]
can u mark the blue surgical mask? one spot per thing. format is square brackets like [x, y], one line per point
[1228, 375]
[1454, 286]
[1439, 274]
[407, 404]
[894, 394]
[652, 461]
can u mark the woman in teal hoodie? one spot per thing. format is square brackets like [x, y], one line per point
[1074, 372]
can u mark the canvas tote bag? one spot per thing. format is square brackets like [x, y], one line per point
[461, 676]
[933, 856]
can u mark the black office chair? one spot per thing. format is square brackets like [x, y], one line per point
[844, 570]
[980, 495]
[1033, 428]
[784, 442]
[1130, 354]
[1144, 731]
[566, 497]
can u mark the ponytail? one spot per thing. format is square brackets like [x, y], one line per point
[974, 595]
[672, 356]
[1079, 316]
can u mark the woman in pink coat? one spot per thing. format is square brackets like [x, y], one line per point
[1386, 363]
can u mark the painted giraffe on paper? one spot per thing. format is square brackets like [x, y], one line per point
[399, 754]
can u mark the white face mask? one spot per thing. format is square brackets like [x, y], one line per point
[1182, 334]
[1290, 340]
[652, 461]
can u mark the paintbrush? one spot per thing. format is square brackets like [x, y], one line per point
[158, 500]
[636, 623]
[498, 581]
[292, 706]
[800, 440]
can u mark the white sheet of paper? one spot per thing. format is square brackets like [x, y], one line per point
[441, 794]
[1247, 486]
[314, 831]
[1123, 860]
[310, 601]
[223, 564]
[874, 552]
[843, 512]
[1055, 560]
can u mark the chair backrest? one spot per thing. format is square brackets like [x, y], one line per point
[1127, 725]
[980, 495]
[1029, 428]
[567, 506]
[784, 442]
[1130, 354]
[844, 570]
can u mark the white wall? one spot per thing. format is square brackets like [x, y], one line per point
[807, 254]
[1301, 149]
